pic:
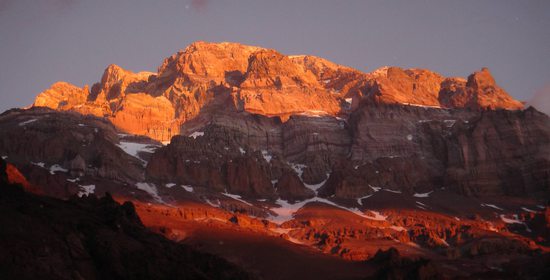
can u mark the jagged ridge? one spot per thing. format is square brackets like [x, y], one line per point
[209, 77]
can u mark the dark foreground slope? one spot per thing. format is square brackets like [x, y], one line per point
[46, 238]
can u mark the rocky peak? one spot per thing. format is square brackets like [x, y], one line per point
[481, 79]
[117, 81]
[203, 62]
[480, 91]
[62, 95]
[114, 73]
[268, 68]
[411, 86]
[319, 66]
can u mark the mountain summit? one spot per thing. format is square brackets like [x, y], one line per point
[231, 77]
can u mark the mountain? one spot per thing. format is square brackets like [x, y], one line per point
[211, 77]
[251, 155]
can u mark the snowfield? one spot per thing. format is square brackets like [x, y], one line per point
[134, 149]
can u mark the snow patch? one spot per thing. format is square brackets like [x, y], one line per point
[449, 123]
[492, 206]
[392, 191]
[27, 122]
[375, 189]
[4, 157]
[237, 197]
[287, 210]
[40, 164]
[187, 188]
[56, 167]
[196, 134]
[85, 190]
[81, 124]
[151, 189]
[421, 204]
[134, 149]
[298, 168]
[409, 137]
[169, 185]
[423, 195]
[514, 220]
[360, 200]
[315, 187]
[242, 150]
[211, 203]
[266, 156]
[528, 210]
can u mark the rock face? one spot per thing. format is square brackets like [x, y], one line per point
[207, 78]
[479, 91]
[401, 148]
[416, 150]
[500, 153]
[66, 143]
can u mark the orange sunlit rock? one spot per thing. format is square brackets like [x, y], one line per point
[207, 78]
[15, 177]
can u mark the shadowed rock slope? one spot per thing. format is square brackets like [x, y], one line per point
[46, 238]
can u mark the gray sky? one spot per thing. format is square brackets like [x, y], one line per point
[44, 41]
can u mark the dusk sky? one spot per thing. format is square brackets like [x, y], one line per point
[44, 41]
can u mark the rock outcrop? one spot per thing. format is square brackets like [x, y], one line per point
[479, 91]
